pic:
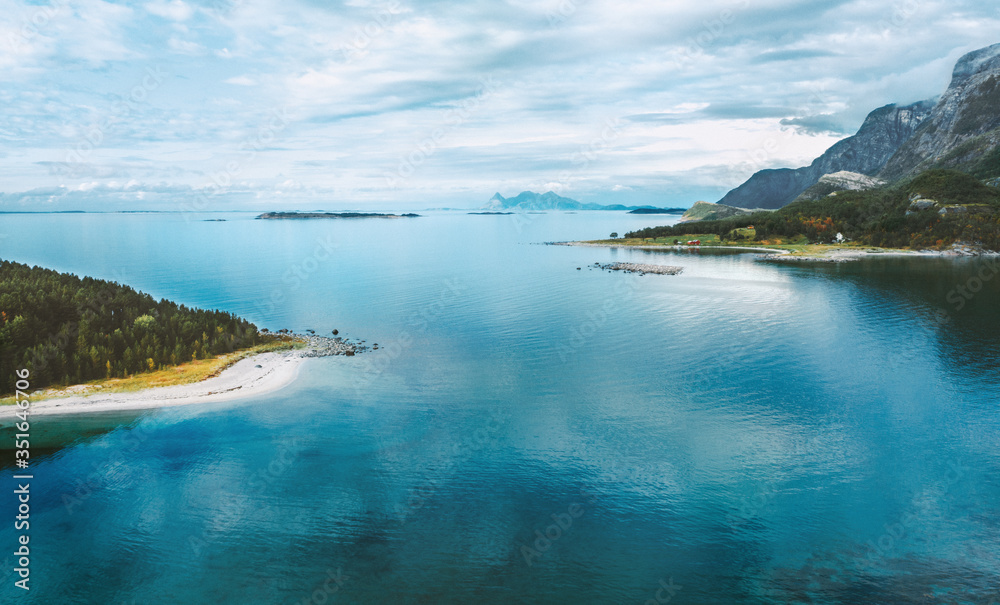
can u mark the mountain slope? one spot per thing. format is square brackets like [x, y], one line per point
[964, 126]
[707, 211]
[936, 210]
[881, 134]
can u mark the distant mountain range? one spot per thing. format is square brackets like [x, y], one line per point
[959, 131]
[308, 215]
[531, 201]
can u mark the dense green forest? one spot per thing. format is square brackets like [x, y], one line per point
[880, 217]
[69, 330]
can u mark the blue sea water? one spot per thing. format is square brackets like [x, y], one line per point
[528, 432]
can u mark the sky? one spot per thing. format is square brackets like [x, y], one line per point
[305, 104]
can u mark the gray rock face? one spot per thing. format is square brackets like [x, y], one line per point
[953, 210]
[963, 125]
[883, 132]
[919, 202]
[830, 184]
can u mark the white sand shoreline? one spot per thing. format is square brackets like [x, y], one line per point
[671, 248]
[249, 377]
[778, 254]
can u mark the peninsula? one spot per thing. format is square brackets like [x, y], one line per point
[87, 341]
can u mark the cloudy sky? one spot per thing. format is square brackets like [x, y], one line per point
[229, 104]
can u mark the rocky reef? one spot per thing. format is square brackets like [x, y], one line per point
[640, 268]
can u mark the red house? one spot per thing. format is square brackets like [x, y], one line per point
[694, 242]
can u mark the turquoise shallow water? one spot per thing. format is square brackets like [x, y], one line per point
[743, 432]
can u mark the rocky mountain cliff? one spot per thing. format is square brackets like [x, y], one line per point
[880, 136]
[962, 129]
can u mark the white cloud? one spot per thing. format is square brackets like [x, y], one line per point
[175, 10]
[241, 81]
[185, 47]
[372, 86]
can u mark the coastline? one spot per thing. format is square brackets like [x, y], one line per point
[250, 376]
[847, 255]
[831, 254]
[677, 247]
[256, 375]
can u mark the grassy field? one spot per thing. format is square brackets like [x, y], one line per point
[186, 373]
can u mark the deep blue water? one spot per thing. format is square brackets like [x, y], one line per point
[742, 432]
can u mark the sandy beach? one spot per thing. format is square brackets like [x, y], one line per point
[249, 377]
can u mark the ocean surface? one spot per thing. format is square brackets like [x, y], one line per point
[528, 432]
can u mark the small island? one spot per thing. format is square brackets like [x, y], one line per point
[650, 210]
[306, 215]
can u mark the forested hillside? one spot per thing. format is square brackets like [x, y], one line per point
[933, 211]
[69, 330]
